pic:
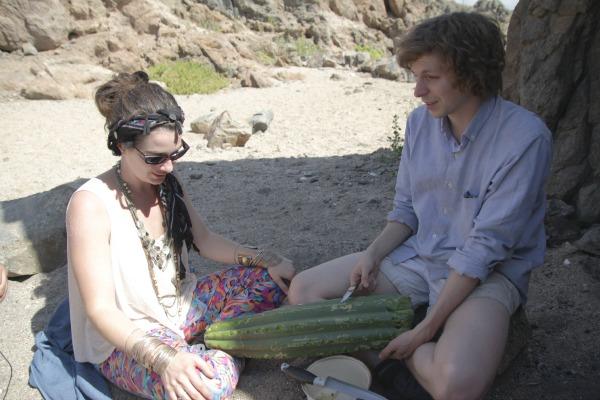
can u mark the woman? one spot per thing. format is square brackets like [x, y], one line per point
[137, 311]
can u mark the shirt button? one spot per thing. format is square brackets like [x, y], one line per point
[445, 210]
[434, 236]
[449, 185]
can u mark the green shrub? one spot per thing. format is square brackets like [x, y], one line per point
[305, 47]
[265, 57]
[302, 47]
[374, 52]
[210, 25]
[395, 139]
[188, 77]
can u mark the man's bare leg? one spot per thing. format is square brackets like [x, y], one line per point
[464, 361]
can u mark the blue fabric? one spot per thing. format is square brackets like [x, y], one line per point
[476, 205]
[54, 371]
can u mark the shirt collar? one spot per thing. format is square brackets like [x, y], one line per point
[481, 117]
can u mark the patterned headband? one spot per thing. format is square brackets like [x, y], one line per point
[124, 130]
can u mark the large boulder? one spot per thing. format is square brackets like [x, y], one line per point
[64, 80]
[147, 16]
[32, 231]
[344, 8]
[43, 23]
[553, 53]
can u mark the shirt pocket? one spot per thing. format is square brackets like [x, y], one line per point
[469, 206]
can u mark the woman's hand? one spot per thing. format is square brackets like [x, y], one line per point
[365, 272]
[283, 270]
[3, 282]
[181, 379]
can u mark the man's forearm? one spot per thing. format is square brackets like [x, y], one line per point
[454, 292]
[392, 236]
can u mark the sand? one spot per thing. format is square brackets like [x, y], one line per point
[316, 185]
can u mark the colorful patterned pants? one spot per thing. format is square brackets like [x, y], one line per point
[228, 293]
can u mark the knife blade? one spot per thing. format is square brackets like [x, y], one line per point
[330, 383]
[348, 293]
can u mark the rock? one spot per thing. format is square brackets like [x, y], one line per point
[225, 132]
[388, 69]
[494, 9]
[86, 9]
[12, 30]
[203, 123]
[588, 203]
[590, 241]
[64, 80]
[356, 59]
[563, 182]
[567, 105]
[373, 12]
[46, 89]
[289, 76]
[260, 121]
[146, 16]
[29, 49]
[221, 53]
[344, 8]
[256, 80]
[397, 8]
[561, 229]
[594, 155]
[329, 63]
[558, 208]
[32, 231]
[47, 23]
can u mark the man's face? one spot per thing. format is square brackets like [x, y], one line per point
[436, 86]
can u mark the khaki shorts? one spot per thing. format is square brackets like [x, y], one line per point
[411, 278]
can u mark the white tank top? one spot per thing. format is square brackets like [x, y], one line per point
[134, 293]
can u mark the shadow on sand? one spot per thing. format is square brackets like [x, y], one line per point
[309, 209]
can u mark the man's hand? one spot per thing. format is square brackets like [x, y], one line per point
[405, 344]
[182, 380]
[365, 272]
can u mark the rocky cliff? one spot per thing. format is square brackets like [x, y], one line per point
[59, 49]
[553, 59]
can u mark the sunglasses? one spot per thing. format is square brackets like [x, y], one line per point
[159, 159]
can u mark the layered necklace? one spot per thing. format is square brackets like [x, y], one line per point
[158, 254]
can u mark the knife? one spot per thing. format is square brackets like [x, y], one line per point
[328, 382]
[348, 293]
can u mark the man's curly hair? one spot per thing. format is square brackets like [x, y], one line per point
[471, 44]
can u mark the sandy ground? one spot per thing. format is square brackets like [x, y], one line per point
[316, 185]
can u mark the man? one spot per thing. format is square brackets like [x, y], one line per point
[467, 224]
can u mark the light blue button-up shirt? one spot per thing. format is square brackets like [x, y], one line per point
[477, 205]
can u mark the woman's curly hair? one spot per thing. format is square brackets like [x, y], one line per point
[128, 95]
[471, 43]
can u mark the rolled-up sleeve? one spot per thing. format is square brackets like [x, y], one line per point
[403, 210]
[513, 198]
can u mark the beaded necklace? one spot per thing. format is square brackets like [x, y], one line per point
[157, 256]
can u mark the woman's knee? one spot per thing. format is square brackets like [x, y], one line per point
[227, 372]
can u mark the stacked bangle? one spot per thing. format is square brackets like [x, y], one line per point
[262, 258]
[150, 351]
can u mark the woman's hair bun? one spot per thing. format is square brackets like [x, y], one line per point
[141, 75]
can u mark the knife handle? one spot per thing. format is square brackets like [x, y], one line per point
[300, 374]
